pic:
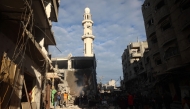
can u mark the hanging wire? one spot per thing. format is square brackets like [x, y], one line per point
[46, 36]
[22, 48]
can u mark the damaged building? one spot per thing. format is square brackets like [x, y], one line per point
[134, 66]
[167, 27]
[167, 62]
[25, 34]
[77, 74]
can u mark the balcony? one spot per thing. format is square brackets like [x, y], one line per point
[159, 14]
[166, 36]
[136, 55]
[54, 10]
[185, 54]
[184, 20]
[154, 49]
[159, 69]
[135, 45]
[174, 62]
[150, 30]
[146, 10]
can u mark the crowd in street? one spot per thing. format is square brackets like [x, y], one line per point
[139, 101]
[125, 101]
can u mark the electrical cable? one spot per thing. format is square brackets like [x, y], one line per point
[14, 51]
[46, 36]
[23, 49]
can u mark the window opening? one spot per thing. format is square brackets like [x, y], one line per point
[147, 59]
[185, 5]
[150, 22]
[154, 40]
[157, 59]
[159, 5]
[188, 38]
[85, 48]
[91, 48]
[165, 27]
[146, 5]
[172, 51]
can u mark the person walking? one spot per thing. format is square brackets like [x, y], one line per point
[130, 100]
[57, 98]
[65, 98]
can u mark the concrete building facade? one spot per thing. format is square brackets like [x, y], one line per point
[80, 77]
[25, 34]
[167, 60]
[132, 54]
[77, 74]
[167, 28]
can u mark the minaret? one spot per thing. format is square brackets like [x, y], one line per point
[88, 37]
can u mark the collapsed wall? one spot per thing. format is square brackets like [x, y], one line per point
[80, 81]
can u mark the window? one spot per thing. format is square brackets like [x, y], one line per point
[146, 50]
[185, 5]
[150, 22]
[188, 38]
[85, 48]
[171, 51]
[176, 1]
[136, 69]
[133, 51]
[153, 34]
[146, 5]
[141, 66]
[154, 40]
[91, 48]
[87, 17]
[130, 73]
[166, 26]
[157, 59]
[147, 60]
[159, 5]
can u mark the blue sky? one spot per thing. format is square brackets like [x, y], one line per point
[116, 24]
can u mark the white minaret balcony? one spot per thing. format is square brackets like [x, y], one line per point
[88, 36]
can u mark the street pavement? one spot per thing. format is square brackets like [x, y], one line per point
[83, 107]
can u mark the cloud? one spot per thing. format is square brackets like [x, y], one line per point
[116, 24]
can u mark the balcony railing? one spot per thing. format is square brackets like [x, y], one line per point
[135, 55]
[135, 45]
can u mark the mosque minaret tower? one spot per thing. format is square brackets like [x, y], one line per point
[88, 37]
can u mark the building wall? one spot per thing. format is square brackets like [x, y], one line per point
[167, 27]
[132, 54]
[28, 64]
[88, 47]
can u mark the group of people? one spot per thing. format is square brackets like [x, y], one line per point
[123, 101]
[138, 101]
[60, 99]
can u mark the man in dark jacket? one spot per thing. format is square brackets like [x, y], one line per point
[57, 98]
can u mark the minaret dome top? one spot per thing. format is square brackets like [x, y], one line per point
[87, 10]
